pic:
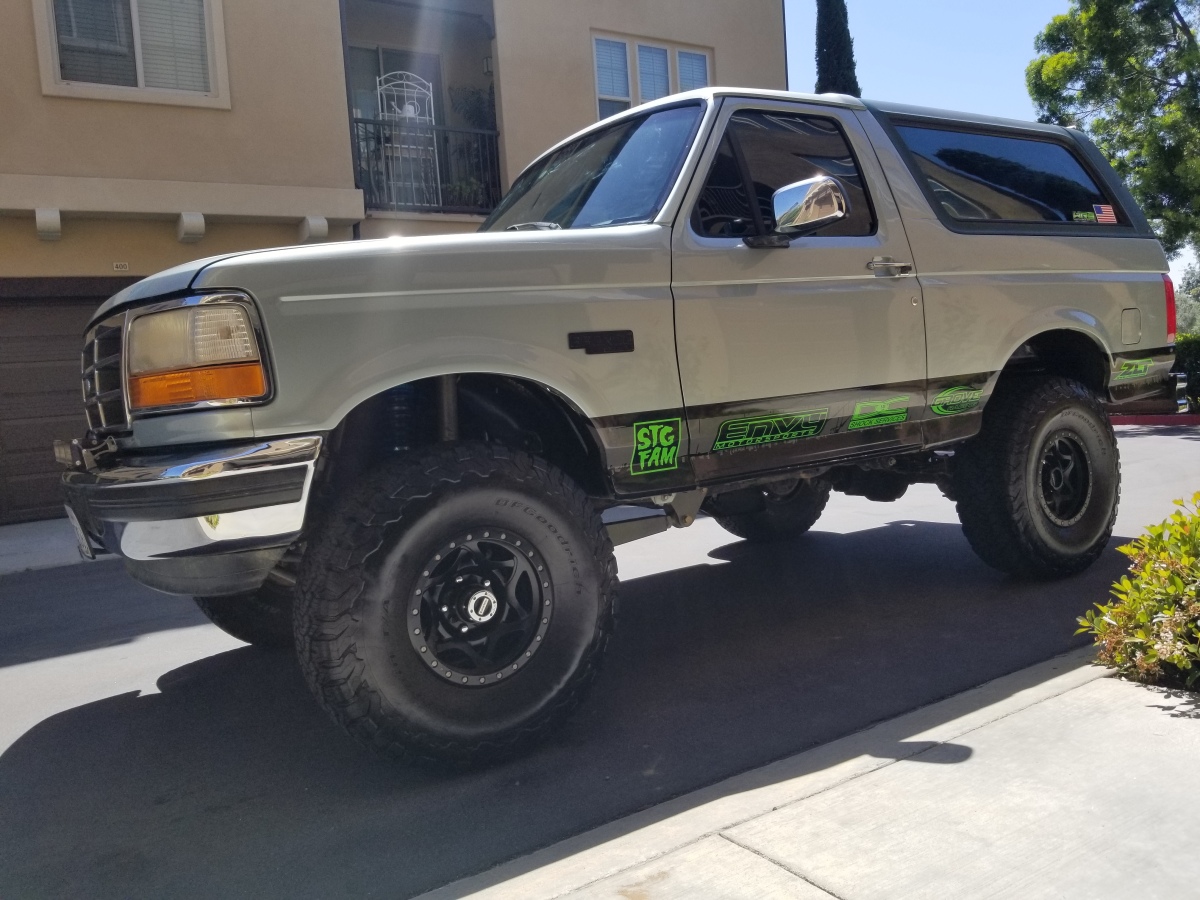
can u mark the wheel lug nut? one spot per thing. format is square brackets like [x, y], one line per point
[486, 583]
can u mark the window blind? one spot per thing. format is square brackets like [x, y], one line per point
[612, 68]
[693, 70]
[174, 44]
[653, 78]
[95, 41]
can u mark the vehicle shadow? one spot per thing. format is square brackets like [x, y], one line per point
[42, 617]
[230, 781]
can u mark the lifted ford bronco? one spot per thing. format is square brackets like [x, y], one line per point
[397, 455]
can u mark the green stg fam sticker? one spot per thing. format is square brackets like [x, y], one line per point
[1134, 368]
[769, 429]
[873, 413]
[655, 447]
[956, 400]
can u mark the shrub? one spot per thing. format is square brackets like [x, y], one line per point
[1151, 632]
[1187, 359]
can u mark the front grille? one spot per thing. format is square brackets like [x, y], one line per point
[103, 397]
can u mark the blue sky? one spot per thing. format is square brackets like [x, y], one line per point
[953, 54]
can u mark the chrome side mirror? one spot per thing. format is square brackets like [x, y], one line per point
[807, 206]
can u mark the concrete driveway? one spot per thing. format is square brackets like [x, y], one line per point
[146, 754]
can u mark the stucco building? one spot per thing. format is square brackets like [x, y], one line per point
[140, 134]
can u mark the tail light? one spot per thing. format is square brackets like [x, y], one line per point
[1170, 288]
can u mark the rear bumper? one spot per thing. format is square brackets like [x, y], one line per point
[209, 521]
[1167, 397]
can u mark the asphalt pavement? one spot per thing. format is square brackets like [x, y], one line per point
[145, 754]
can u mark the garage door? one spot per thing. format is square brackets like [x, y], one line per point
[40, 338]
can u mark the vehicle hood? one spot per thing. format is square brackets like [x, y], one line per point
[438, 264]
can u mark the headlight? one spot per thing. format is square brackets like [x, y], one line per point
[194, 354]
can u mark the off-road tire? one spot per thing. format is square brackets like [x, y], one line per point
[262, 618]
[356, 586]
[999, 479]
[781, 518]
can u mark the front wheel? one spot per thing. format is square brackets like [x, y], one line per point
[777, 511]
[454, 607]
[1038, 487]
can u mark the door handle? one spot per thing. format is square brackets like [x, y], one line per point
[886, 266]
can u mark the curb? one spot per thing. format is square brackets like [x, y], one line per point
[1177, 420]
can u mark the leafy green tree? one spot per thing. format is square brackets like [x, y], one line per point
[1187, 301]
[835, 50]
[1129, 72]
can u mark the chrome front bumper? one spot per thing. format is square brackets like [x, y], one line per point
[190, 513]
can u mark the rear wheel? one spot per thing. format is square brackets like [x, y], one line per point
[1038, 488]
[775, 512]
[262, 617]
[454, 607]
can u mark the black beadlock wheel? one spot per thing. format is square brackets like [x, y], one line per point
[1038, 488]
[454, 607]
[788, 509]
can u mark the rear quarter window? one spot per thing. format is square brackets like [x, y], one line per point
[979, 178]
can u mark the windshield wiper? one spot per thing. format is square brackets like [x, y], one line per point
[535, 226]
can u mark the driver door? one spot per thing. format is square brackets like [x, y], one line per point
[806, 352]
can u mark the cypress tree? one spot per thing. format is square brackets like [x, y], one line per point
[835, 50]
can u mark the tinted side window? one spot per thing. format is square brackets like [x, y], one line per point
[988, 177]
[723, 209]
[778, 149]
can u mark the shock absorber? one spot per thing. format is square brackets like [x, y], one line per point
[401, 431]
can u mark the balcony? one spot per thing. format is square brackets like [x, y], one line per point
[426, 168]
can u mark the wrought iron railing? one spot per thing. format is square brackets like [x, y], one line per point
[426, 168]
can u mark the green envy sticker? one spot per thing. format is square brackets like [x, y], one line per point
[873, 413]
[1134, 368]
[1088, 216]
[655, 447]
[769, 429]
[956, 400]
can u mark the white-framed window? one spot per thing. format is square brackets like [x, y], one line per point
[155, 51]
[693, 70]
[612, 77]
[654, 72]
[629, 71]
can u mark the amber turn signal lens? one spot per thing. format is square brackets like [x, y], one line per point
[229, 382]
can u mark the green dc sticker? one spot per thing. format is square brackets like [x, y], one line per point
[1134, 368]
[769, 429]
[873, 413]
[1084, 216]
[655, 447]
[956, 400]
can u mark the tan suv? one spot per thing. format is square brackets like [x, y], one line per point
[403, 455]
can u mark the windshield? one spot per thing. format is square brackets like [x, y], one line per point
[614, 176]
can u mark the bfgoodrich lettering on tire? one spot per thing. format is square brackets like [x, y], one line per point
[1038, 488]
[454, 607]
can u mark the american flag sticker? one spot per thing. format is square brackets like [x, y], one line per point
[1105, 214]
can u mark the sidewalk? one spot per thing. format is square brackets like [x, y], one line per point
[1055, 781]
